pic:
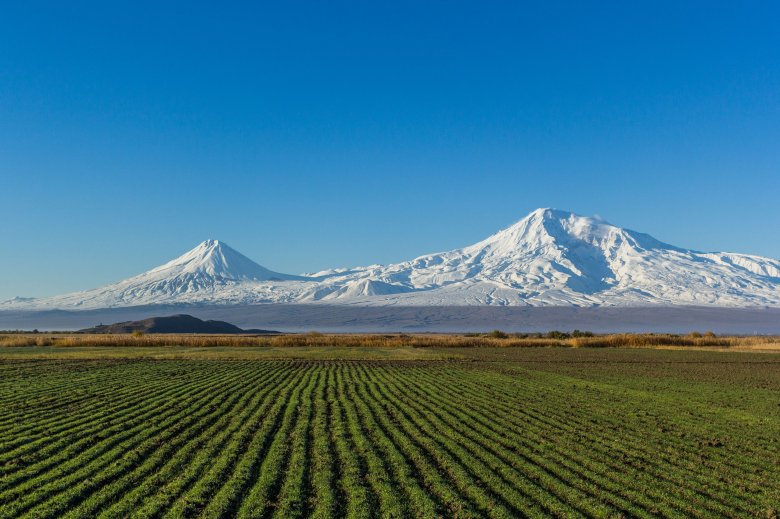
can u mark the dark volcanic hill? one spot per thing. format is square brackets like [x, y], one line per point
[181, 323]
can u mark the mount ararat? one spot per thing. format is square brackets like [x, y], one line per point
[549, 258]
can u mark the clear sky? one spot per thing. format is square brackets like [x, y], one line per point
[317, 134]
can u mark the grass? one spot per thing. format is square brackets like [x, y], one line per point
[315, 340]
[227, 353]
[393, 432]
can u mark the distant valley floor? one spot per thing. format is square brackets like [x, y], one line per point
[347, 318]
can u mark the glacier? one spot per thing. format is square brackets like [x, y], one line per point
[548, 258]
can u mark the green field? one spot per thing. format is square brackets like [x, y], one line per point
[381, 433]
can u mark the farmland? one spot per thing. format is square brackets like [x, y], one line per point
[361, 432]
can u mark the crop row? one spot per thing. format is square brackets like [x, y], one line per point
[357, 439]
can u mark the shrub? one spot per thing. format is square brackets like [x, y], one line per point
[578, 333]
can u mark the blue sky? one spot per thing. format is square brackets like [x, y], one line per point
[318, 134]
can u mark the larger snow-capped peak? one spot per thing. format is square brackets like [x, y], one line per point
[550, 257]
[554, 257]
[547, 227]
[547, 247]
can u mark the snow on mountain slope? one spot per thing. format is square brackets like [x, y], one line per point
[557, 258]
[210, 271]
[550, 257]
[214, 260]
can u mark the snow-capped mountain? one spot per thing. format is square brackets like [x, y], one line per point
[204, 273]
[550, 257]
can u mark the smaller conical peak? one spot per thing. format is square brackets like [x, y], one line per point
[211, 244]
[215, 258]
[212, 252]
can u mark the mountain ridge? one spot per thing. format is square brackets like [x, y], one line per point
[548, 258]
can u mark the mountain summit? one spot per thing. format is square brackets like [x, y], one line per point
[214, 261]
[550, 257]
[209, 272]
